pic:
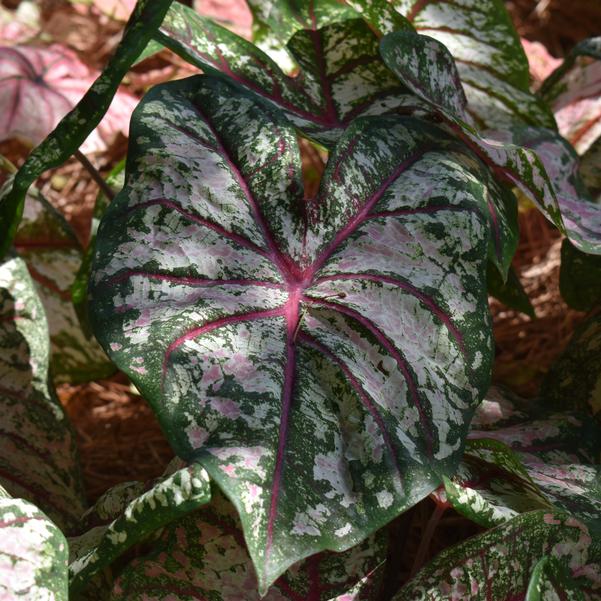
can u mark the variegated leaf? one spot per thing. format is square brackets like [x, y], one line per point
[490, 59]
[575, 379]
[169, 499]
[579, 278]
[590, 170]
[203, 556]
[513, 164]
[574, 93]
[342, 75]
[37, 449]
[551, 581]
[498, 564]
[33, 554]
[252, 319]
[53, 256]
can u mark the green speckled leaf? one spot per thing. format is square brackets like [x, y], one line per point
[53, 256]
[490, 59]
[579, 278]
[37, 448]
[203, 556]
[33, 554]
[75, 127]
[574, 93]
[169, 499]
[511, 292]
[497, 565]
[551, 581]
[574, 381]
[342, 75]
[255, 321]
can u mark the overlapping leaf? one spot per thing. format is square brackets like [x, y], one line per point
[37, 453]
[169, 499]
[33, 553]
[53, 256]
[500, 563]
[75, 127]
[252, 319]
[203, 556]
[490, 59]
[342, 75]
[574, 93]
[575, 379]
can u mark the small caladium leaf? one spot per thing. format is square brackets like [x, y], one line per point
[204, 555]
[37, 448]
[342, 75]
[579, 278]
[511, 292]
[249, 317]
[499, 563]
[515, 165]
[492, 485]
[75, 127]
[53, 255]
[47, 83]
[33, 553]
[576, 376]
[490, 59]
[169, 499]
[574, 93]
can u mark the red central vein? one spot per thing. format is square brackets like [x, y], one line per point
[361, 393]
[190, 281]
[393, 352]
[423, 298]
[220, 323]
[283, 261]
[240, 240]
[292, 314]
[363, 214]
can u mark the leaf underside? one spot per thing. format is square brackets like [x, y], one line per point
[255, 321]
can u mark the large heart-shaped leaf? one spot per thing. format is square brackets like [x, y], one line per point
[33, 553]
[53, 255]
[342, 75]
[203, 556]
[575, 379]
[321, 358]
[39, 86]
[170, 498]
[490, 59]
[37, 450]
[75, 127]
[498, 565]
[574, 92]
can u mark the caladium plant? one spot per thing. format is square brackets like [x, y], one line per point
[358, 314]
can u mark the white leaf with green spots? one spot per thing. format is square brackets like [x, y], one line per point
[204, 556]
[490, 59]
[321, 358]
[498, 565]
[341, 73]
[37, 448]
[167, 500]
[33, 554]
[53, 255]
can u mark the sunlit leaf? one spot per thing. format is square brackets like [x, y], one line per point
[250, 317]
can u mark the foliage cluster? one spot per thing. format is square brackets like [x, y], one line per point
[319, 363]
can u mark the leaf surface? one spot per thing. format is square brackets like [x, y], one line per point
[499, 563]
[37, 448]
[490, 59]
[579, 278]
[203, 554]
[169, 499]
[33, 553]
[53, 255]
[252, 319]
[341, 73]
